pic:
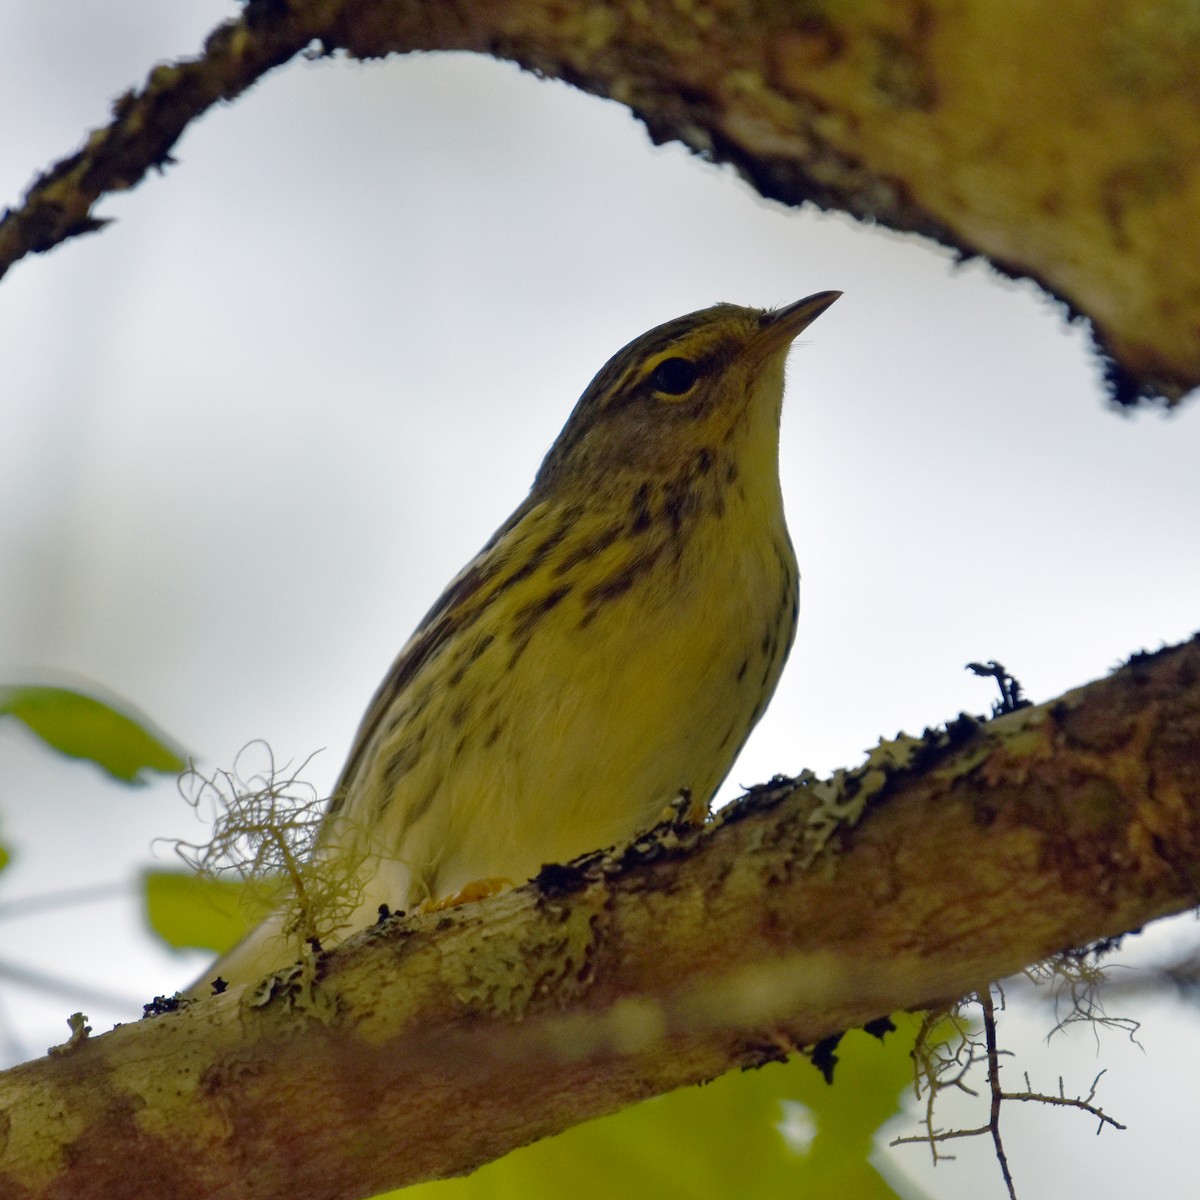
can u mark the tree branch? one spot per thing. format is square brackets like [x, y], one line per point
[430, 1045]
[1060, 141]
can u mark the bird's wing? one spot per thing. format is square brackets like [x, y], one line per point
[496, 567]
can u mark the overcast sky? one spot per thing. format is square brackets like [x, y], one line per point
[254, 426]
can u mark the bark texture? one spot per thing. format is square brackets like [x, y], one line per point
[1061, 141]
[428, 1046]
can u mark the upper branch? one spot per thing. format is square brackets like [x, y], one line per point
[1060, 141]
[146, 124]
[441, 1041]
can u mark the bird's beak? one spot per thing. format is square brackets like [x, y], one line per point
[782, 325]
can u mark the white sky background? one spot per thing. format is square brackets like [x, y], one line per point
[252, 428]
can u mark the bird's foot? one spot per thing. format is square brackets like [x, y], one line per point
[477, 889]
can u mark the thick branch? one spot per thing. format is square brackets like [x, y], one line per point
[1062, 141]
[428, 1046]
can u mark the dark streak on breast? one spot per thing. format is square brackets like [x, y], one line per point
[589, 549]
[399, 765]
[641, 518]
[620, 581]
[527, 618]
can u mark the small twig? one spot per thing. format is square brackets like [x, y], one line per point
[1011, 694]
[62, 898]
[940, 1136]
[1065, 1101]
[146, 124]
[993, 1078]
[940, 1066]
[56, 985]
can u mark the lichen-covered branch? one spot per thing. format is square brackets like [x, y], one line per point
[430, 1045]
[1061, 141]
[146, 124]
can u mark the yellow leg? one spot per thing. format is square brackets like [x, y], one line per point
[477, 889]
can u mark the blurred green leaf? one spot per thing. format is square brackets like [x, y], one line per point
[81, 726]
[5, 857]
[189, 911]
[728, 1138]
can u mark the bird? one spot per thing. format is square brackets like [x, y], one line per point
[607, 652]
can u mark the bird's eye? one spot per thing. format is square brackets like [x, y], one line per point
[674, 376]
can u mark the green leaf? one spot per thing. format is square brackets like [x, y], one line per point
[81, 726]
[728, 1138]
[188, 910]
